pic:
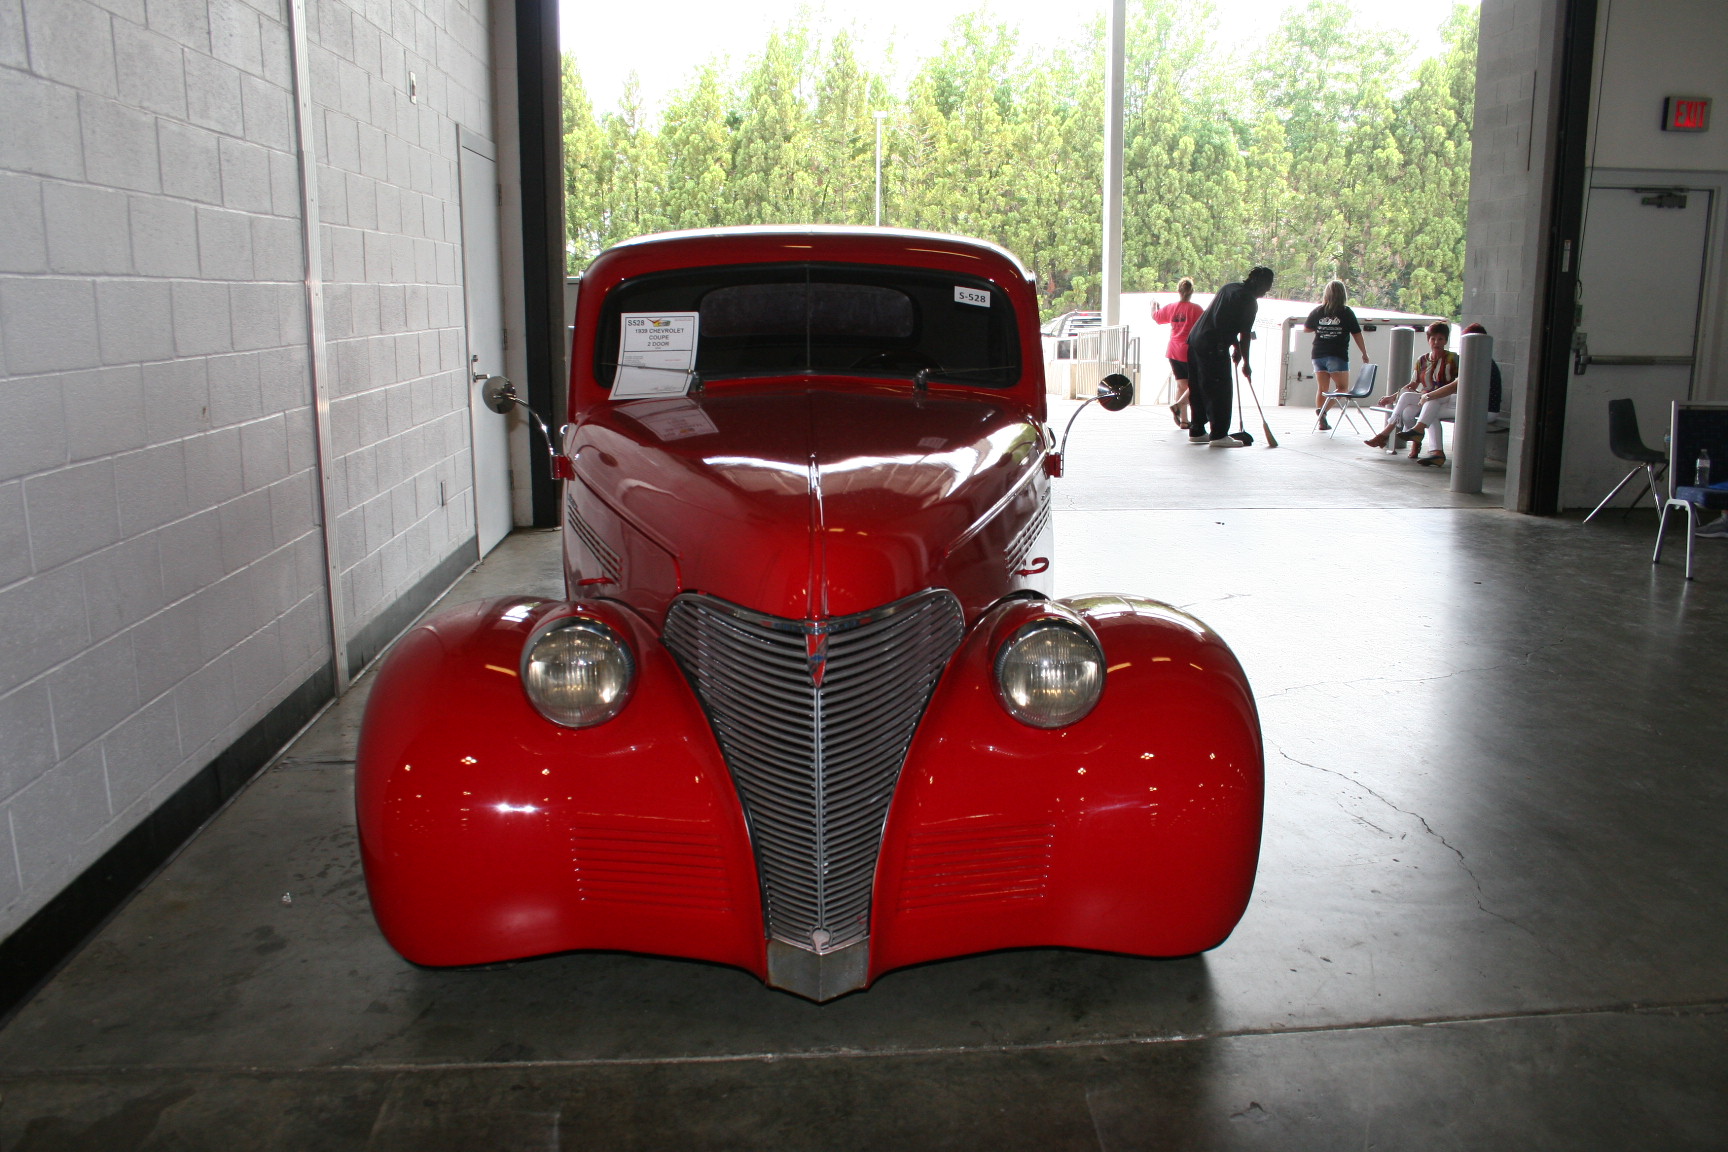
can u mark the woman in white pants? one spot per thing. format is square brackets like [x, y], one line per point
[1428, 399]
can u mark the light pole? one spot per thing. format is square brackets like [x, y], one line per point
[880, 116]
[1113, 69]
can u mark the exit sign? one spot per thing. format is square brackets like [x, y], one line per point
[1685, 113]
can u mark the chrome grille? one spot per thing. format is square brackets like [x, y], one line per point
[814, 719]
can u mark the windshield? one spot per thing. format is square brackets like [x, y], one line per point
[793, 319]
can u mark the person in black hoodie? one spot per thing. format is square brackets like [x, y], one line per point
[1219, 337]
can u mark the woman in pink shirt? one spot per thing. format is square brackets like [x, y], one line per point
[1180, 315]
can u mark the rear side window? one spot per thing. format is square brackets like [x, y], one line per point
[839, 319]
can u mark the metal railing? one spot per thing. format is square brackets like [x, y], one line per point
[1074, 364]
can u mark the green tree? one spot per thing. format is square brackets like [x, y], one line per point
[1181, 155]
[586, 162]
[696, 145]
[843, 138]
[1434, 121]
[1331, 155]
[771, 179]
[1328, 82]
[634, 170]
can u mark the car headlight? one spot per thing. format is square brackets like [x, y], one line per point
[578, 673]
[1049, 674]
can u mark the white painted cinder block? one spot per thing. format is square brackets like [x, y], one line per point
[104, 411]
[72, 43]
[93, 693]
[43, 134]
[14, 536]
[28, 721]
[73, 511]
[23, 241]
[12, 53]
[151, 71]
[134, 323]
[86, 228]
[164, 237]
[50, 325]
[119, 145]
[162, 576]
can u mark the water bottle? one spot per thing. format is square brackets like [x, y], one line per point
[1702, 478]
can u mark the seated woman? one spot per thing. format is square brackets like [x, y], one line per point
[1430, 397]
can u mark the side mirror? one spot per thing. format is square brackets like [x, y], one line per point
[498, 394]
[1115, 392]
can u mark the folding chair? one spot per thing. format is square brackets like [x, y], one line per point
[1349, 401]
[1695, 425]
[1626, 443]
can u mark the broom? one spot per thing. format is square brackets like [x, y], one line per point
[1271, 440]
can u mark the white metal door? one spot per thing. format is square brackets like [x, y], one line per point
[483, 287]
[1640, 270]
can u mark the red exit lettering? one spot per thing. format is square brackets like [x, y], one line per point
[1686, 114]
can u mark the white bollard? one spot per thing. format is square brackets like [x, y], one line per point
[1400, 366]
[1469, 430]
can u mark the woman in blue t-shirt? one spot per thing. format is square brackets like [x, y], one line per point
[1333, 325]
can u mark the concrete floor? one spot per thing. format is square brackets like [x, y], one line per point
[1490, 910]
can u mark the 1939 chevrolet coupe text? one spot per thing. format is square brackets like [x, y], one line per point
[808, 706]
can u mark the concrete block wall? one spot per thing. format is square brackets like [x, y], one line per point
[162, 569]
[1509, 173]
[391, 211]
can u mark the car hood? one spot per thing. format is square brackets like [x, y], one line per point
[817, 501]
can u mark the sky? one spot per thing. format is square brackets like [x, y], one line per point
[666, 41]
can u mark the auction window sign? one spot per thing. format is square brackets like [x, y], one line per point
[656, 354]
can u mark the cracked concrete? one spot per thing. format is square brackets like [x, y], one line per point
[1487, 915]
[1427, 829]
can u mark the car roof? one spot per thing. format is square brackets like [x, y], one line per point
[827, 235]
[774, 243]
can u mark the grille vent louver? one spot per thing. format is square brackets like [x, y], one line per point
[815, 764]
[606, 557]
[671, 864]
[1020, 550]
[953, 867]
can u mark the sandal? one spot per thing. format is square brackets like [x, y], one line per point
[1176, 415]
[1433, 459]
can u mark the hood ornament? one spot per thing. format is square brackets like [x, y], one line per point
[816, 655]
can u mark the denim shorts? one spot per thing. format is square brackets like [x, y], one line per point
[1331, 364]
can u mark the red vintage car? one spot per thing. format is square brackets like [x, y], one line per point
[808, 706]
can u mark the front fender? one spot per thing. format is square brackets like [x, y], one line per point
[1135, 829]
[488, 833]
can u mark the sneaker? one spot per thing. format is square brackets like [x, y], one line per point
[1227, 442]
[1201, 439]
[1717, 529]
